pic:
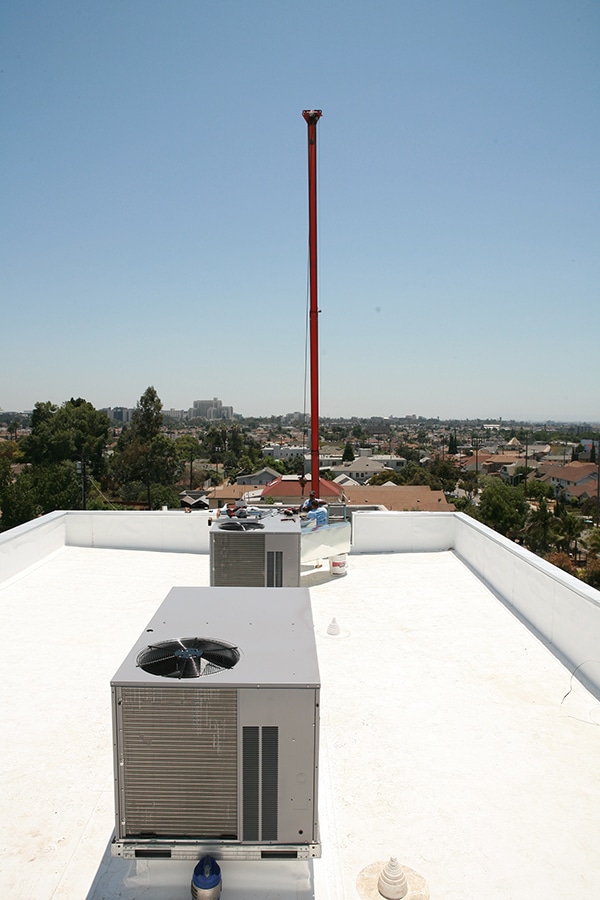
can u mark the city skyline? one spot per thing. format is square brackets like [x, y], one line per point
[155, 205]
[187, 412]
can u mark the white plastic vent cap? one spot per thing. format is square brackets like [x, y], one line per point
[392, 883]
[333, 627]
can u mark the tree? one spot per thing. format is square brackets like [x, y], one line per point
[592, 573]
[19, 501]
[348, 454]
[164, 461]
[540, 530]
[246, 464]
[38, 490]
[75, 431]
[411, 454]
[231, 466]
[143, 453]
[60, 438]
[569, 530]
[188, 449]
[214, 444]
[538, 490]
[295, 465]
[386, 476]
[147, 419]
[592, 542]
[502, 508]
[163, 495]
[275, 464]
[5, 476]
[10, 451]
[13, 428]
[446, 473]
[563, 561]
[463, 504]
[469, 483]
[235, 441]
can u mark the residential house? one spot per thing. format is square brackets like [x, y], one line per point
[575, 479]
[261, 477]
[398, 497]
[292, 491]
[360, 469]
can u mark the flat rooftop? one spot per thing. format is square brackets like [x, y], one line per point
[451, 737]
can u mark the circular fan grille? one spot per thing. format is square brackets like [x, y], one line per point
[187, 658]
[240, 525]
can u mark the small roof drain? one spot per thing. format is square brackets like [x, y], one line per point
[391, 881]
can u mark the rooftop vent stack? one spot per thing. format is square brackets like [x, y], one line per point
[392, 883]
[333, 628]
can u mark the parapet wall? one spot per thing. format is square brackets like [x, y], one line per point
[31, 543]
[562, 610]
[402, 532]
[167, 531]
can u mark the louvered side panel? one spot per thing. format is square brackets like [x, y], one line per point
[274, 568]
[260, 783]
[238, 559]
[250, 783]
[270, 782]
[179, 750]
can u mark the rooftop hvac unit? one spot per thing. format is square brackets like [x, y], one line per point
[255, 552]
[216, 725]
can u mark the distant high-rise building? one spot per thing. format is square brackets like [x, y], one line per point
[212, 409]
[121, 414]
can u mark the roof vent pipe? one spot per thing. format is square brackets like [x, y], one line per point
[392, 883]
[333, 627]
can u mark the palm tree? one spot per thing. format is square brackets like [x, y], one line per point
[540, 533]
[13, 428]
[592, 543]
[570, 528]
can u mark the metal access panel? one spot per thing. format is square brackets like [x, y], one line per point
[278, 766]
[266, 555]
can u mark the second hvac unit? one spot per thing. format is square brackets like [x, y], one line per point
[254, 552]
[216, 727]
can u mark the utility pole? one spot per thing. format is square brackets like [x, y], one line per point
[80, 466]
[475, 444]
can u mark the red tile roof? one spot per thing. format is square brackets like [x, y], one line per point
[288, 489]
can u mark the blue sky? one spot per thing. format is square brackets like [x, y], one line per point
[154, 204]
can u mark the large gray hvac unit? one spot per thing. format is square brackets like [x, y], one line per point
[255, 552]
[216, 729]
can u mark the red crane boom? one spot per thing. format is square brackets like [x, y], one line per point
[312, 116]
